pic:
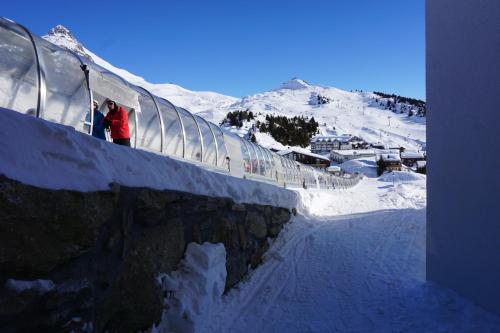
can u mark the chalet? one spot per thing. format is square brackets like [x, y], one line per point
[340, 155]
[410, 158]
[389, 162]
[306, 157]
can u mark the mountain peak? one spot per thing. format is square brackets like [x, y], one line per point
[61, 30]
[295, 84]
[62, 37]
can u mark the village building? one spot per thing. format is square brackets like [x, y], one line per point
[306, 157]
[341, 155]
[324, 144]
[389, 162]
[410, 158]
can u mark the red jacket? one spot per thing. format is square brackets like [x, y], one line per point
[119, 124]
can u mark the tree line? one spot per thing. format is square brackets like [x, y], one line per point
[296, 131]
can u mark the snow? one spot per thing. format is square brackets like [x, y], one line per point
[390, 157]
[55, 156]
[355, 113]
[302, 151]
[351, 261]
[351, 152]
[294, 84]
[412, 154]
[40, 286]
[366, 166]
[193, 289]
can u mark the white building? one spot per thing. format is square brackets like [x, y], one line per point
[322, 144]
[342, 155]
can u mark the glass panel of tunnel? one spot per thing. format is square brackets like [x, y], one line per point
[267, 162]
[221, 146]
[108, 86]
[262, 162]
[209, 148]
[270, 163]
[67, 94]
[173, 142]
[149, 134]
[18, 70]
[245, 152]
[193, 140]
[254, 159]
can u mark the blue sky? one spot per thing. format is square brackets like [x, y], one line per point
[240, 48]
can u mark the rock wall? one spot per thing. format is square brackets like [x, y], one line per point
[92, 258]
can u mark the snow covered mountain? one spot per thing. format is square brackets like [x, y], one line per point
[363, 114]
[207, 103]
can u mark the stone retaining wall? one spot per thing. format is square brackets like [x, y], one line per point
[103, 250]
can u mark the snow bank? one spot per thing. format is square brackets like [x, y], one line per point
[193, 289]
[401, 176]
[366, 166]
[40, 286]
[48, 155]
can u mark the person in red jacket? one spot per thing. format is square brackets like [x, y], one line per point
[117, 121]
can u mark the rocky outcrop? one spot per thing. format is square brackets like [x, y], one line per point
[100, 252]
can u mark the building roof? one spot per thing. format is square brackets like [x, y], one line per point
[331, 138]
[412, 154]
[303, 152]
[352, 152]
[421, 164]
[333, 168]
[390, 157]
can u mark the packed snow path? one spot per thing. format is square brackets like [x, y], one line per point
[361, 272]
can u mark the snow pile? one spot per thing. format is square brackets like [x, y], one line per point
[40, 286]
[54, 156]
[401, 176]
[366, 166]
[193, 289]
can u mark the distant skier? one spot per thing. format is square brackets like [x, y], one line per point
[117, 121]
[98, 128]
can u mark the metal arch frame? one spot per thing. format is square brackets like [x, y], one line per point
[162, 128]
[215, 139]
[183, 131]
[199, 133]
[210, 124]
[271, 160]
[256, 157]
[225, 147]
[259, 152]
[250, 144]
[243, 144]
[42, 88]
[268, 161]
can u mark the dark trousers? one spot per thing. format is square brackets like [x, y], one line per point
[123, 142]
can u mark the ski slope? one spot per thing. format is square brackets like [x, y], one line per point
[355, 113]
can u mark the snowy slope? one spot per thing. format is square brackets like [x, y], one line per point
[355, 113]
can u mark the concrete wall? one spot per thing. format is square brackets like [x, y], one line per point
[463, 99]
